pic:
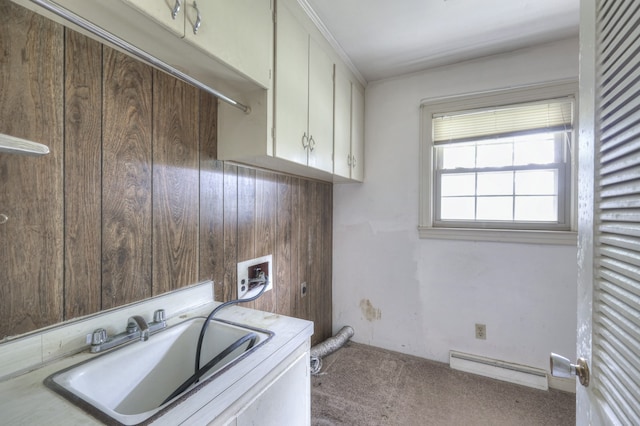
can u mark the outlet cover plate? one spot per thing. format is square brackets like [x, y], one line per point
[481, 331]
[243, 275]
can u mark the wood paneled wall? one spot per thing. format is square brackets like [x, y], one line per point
[32, 240]
[132, 201]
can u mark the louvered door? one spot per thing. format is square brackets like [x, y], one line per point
[610, 236]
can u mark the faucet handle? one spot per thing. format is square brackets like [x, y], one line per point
[98, 337]
[159, 321]
[159, 315]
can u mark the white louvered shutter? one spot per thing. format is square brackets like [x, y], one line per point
[616, 299]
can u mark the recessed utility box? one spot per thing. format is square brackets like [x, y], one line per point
[250, 270]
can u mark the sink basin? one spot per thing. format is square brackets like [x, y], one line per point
[130, 383]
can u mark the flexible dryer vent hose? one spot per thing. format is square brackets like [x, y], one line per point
[327, 347]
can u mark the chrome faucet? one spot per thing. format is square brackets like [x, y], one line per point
[137, 324]
[137, 329]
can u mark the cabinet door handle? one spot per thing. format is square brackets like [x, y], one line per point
[305, 141]
[349, 160]
[196, 26]
[176, 9]
[353, 161]
[312, 143]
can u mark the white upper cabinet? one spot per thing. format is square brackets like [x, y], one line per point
[342, 126]
[303, 95]
[357, 133]
[230, 52]
[320, 108]
[239, 32]
[291, 88]
[349, 129]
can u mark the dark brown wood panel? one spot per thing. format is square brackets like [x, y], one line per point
[176, 185]
[126, 169]
[212, 236]
[297, 276]
[230, 232]
[211, 198]
[31, 192]
[302, 222]
[83, 183]
[285, 267]
[265, 233]
[315, 289]
[246, 217]
[246, 214]
[326, 290]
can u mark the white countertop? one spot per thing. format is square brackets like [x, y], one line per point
[24, 399]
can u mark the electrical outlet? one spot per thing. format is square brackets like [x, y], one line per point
[250, 269]
[481, 331]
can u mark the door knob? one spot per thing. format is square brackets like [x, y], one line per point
[562, 367]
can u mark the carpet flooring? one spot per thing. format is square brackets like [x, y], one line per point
[363, 385]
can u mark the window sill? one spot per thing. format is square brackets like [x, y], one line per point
[568, 238]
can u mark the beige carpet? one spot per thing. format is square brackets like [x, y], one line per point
[363, 385]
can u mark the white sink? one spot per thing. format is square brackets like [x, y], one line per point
[130, 383]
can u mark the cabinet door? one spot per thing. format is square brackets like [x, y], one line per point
[342, 126]
[286, 401]
[291, 89]
[239, 32]
[357, 134]
[320, 108]
[162, 13]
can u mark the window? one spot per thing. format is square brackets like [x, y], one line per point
[499, 166]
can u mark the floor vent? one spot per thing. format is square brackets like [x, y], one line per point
[500, 370]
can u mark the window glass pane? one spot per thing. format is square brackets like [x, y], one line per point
[457, 208]
[535, 149]
[495, 183]
[458, 184]
[535, 209]
[537, 182]
[495, 154]
[454, 157]
[495, 208]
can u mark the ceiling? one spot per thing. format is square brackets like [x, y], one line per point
[387, 38]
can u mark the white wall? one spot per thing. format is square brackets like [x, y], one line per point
[423, 297]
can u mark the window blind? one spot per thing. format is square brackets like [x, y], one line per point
[616, 298]
[489, 123]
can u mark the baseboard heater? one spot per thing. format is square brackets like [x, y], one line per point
[500, 370]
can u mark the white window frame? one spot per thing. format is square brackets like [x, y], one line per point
[426, 226]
